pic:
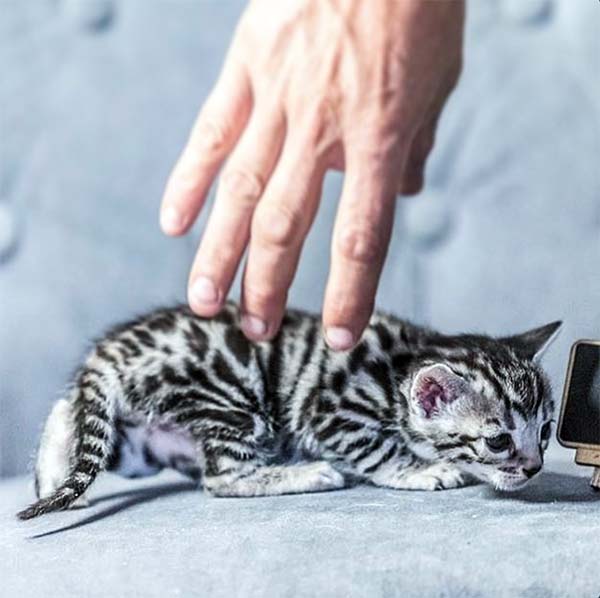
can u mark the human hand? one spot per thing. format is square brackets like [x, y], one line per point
[310, 85]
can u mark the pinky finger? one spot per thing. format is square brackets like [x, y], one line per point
[413, 176]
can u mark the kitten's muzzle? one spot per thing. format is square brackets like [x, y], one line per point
[507, 482]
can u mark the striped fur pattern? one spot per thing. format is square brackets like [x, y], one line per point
[407, 409]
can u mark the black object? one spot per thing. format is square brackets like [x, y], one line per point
[579, 425]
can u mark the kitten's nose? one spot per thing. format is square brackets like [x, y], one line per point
[530, 472]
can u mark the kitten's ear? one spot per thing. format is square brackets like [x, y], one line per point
[533, 343]
[436, 386]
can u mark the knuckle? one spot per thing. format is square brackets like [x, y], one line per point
[361, 245]
[185, 177]
[320, 132]
[242, 185]
[372, 156]
[210, 137]
[352, 312]
[261, 298]
[215, 255]
[278, 225]
[206, 147]
[374, 145]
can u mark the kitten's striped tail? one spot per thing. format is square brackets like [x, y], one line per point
[94, 414]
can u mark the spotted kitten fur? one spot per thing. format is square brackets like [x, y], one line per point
[408, 408]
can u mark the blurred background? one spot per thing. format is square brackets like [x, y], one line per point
[97, 98]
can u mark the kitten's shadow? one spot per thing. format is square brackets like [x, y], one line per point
[132, 498]
[147, 493]
[556, 487]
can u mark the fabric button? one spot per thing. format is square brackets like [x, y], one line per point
[8, 231]
[91, 15]
[427, 219]
[527, 12]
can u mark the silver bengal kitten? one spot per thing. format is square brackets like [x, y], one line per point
[407, 408]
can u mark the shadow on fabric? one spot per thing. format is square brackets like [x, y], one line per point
[555, 487]
[548, 488]
[131, 499]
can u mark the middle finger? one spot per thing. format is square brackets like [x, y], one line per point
[240, 187]
[279, 226]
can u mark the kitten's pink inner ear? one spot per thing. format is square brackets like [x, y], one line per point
[435, 387]
[430, 394]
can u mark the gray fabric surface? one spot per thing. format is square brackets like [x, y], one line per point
[160, 537]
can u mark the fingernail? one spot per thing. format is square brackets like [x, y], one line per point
[171, 221]
[253, 326]
[204, 291]
[339, 339]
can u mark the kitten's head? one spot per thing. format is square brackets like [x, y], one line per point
[485, 405]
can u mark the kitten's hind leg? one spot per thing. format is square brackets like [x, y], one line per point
[236, 468]
[55, 452]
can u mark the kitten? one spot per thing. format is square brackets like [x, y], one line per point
[408, 408]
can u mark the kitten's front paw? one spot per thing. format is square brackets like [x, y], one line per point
[324, 476]
[433, 477]
[446, 477]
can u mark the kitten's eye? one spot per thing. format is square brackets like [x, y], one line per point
[546, 431]
[500, 443]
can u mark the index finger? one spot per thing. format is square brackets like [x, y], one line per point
[214, 134]
[360, 240]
